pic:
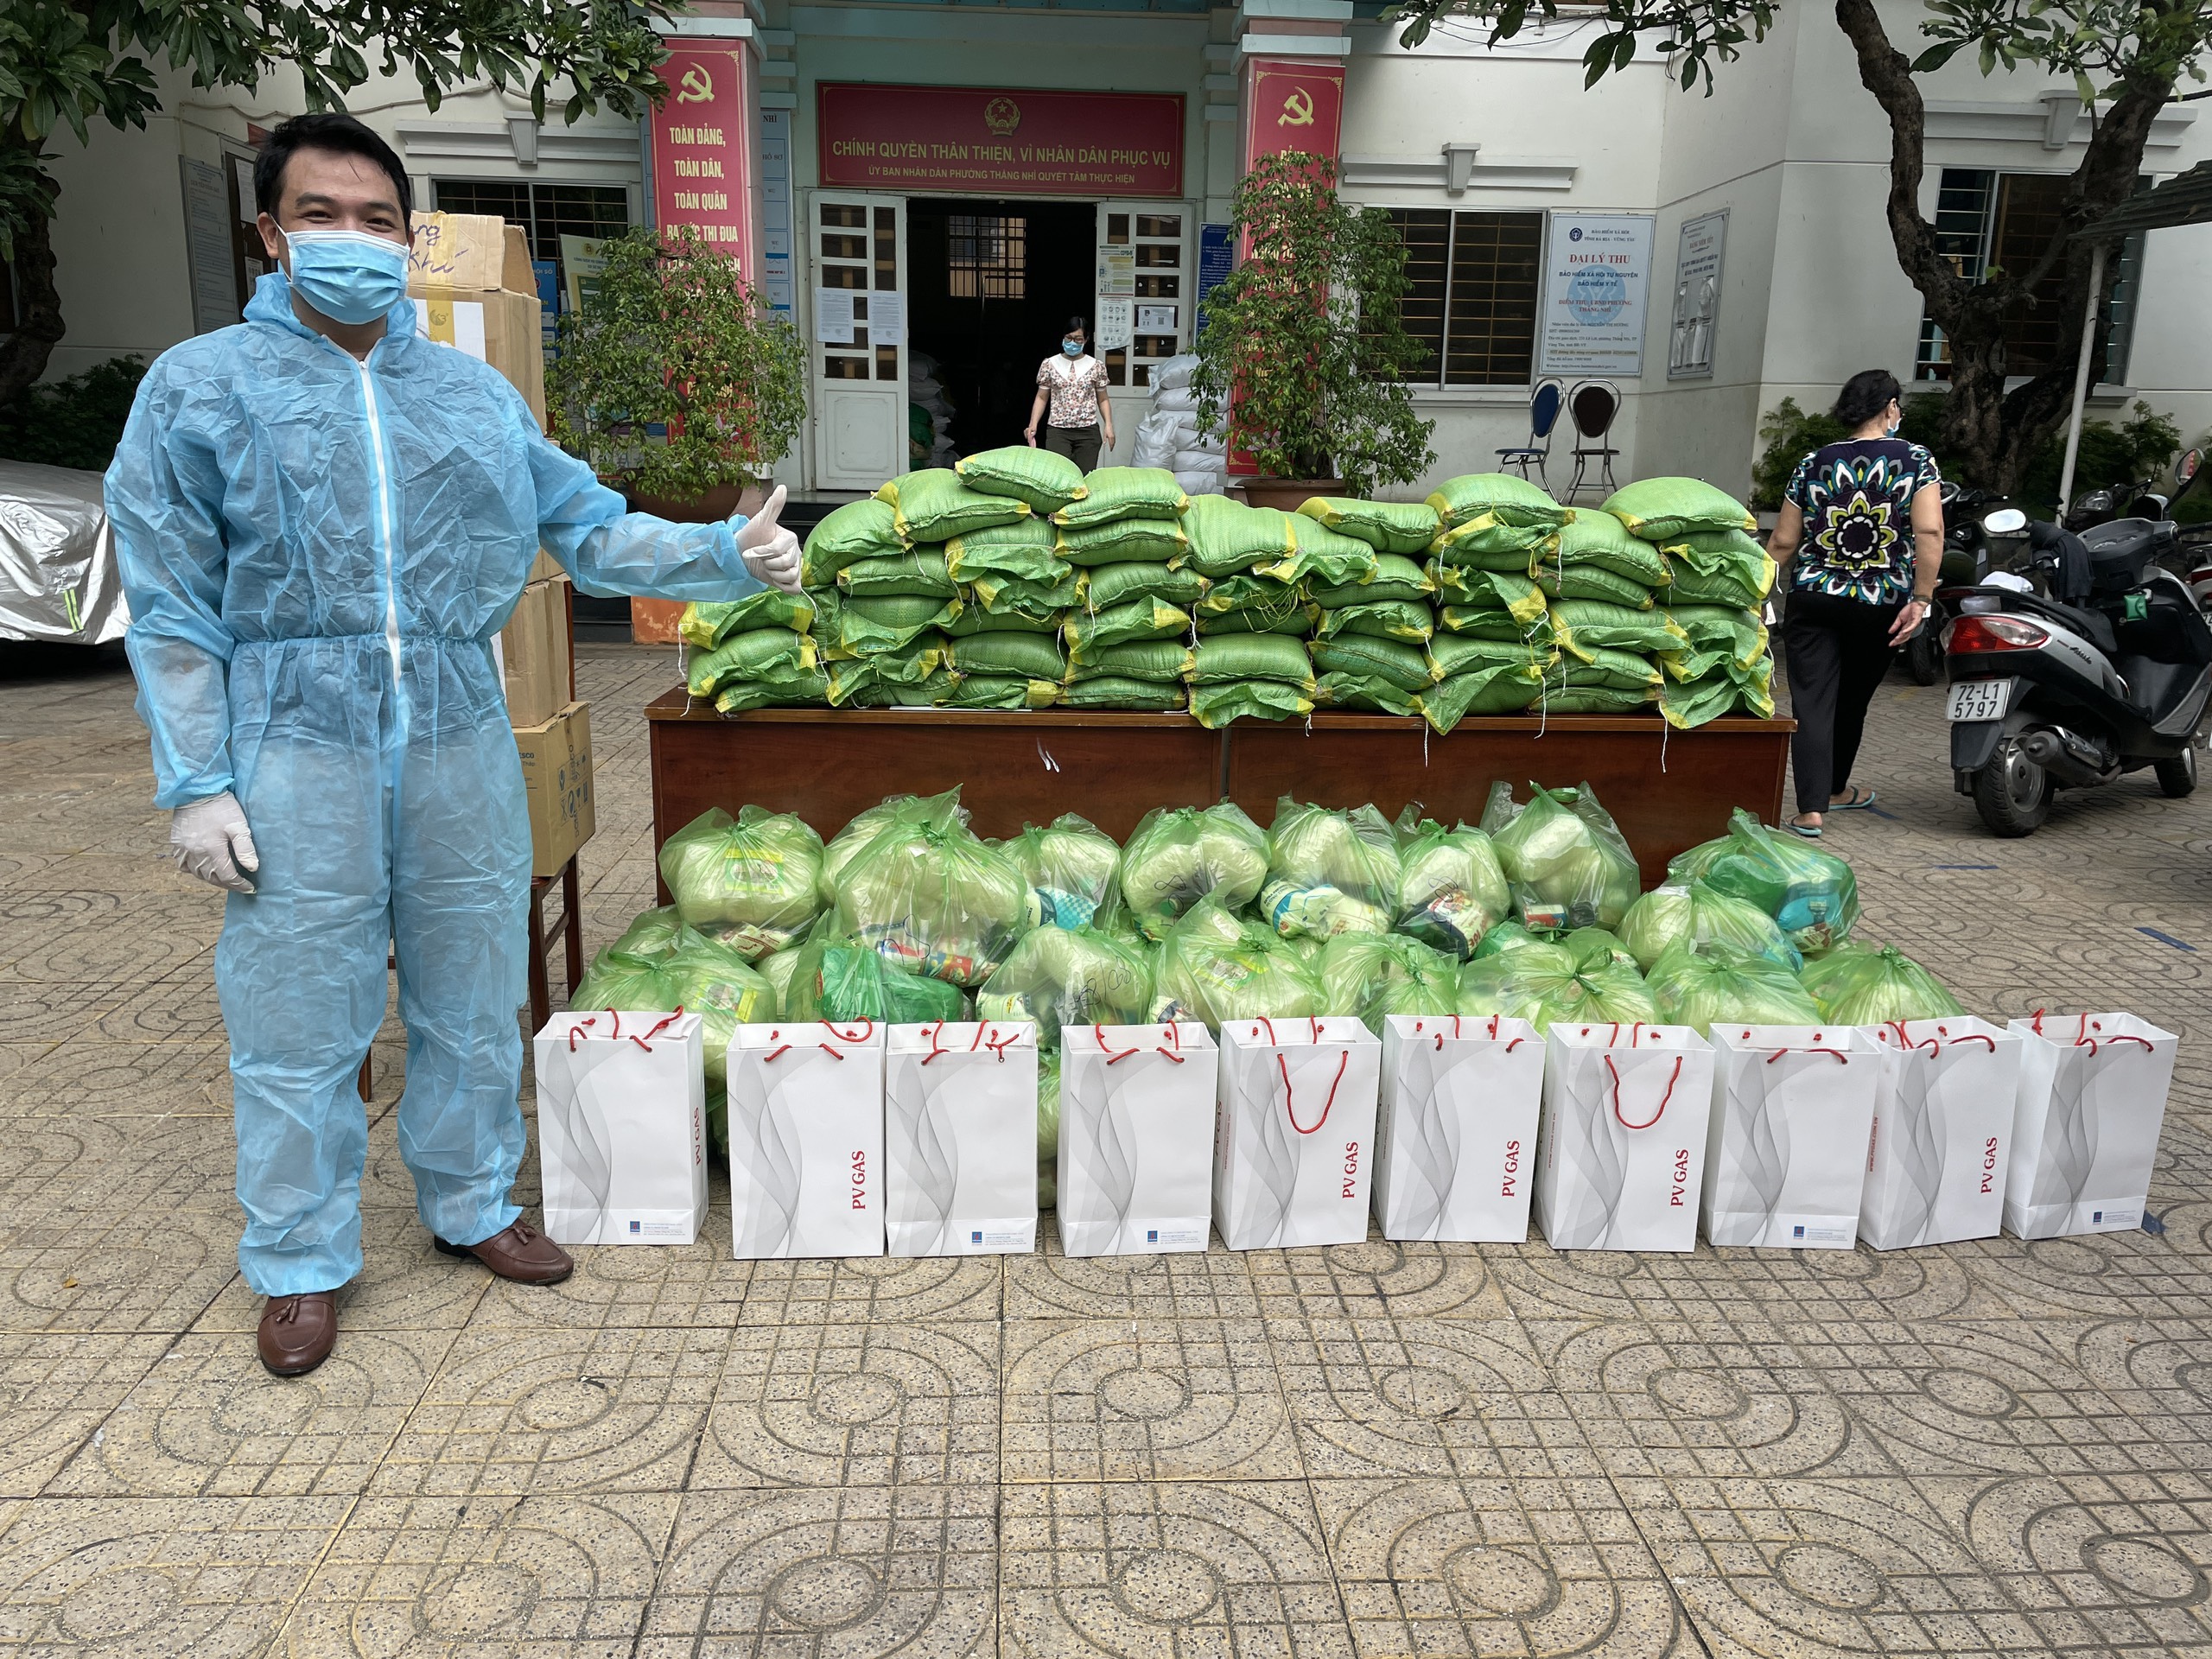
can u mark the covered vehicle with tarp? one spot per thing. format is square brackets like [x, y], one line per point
[57, 577]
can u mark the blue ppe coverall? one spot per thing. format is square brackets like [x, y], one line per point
[317, 551]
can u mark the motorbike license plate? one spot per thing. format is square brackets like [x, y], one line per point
[1981, 700]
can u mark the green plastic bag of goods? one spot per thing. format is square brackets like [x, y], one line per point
[1713, 636]
[1023, 655]
[1452, 889]
[1501, 496]
[1599, 538]
[707, 626]
[1564, 856]
[1330, 872]
[651, 933]
[1048, 1130]
[1464, 653]
[1227, 536]
[1008, 595]
[1696, 984]
[891, 622]
[869, 823]
[976, 620]
[1485, 545]
[931, 898]
[1562, 696]
[1109, 584]
[1502, 689]
[1072, 864]
[1542, 985]
[1406, 666]
[1178, 855]
[1216, 969]
[1590, 581]
[1619, 669]
[620, 981]
[1512, 936]
[1089, 633]
[1124, 493]
[934, 506]
[798, 688]
[857, 530]
[1399, 527]
[1370, 976]
[1467, 589]
[1368, 694]
[1252, 656]
[1584, 624]
[777, 969]
[1660, 508]
[1688, 704]
[1395, 577]
[1158, 661]
[1811, 894]
[839, 981]
[1043, 478]
[1217, 705]
[1596, 947]
[999, 691]
[758, 654]
[717, 981]
[1859, 984]
[887, 670]
[1737, 590]
[1022, 550]
[1676, 913]
[1119, 540]
[1116, 691]
[1325, 557]
[1296, 623]
[920, 571]
[1070, 976]
[750, 880]
[1403, 619]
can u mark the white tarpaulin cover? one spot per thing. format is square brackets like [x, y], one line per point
[58, 579]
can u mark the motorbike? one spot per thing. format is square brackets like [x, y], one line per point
[2095, 664]
[1967, 562]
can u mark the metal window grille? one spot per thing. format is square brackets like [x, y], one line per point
[1472, 282]
[987, 256]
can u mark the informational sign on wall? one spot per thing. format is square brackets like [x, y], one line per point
[1697, 296]
[775, 209]
[702, 148]
[1597, 282]
[980, 141]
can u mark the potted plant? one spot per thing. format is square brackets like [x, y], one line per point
[1302, 344]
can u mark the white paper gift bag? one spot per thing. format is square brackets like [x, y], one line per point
[1455, 1134]
[1136, 1138]
[1936, 1154]
[2085, 1124]
[1621, 1155]
[960, 1139]
[622, 1127]
[1792, 1108]
[806, 1140]
[1294, 1137]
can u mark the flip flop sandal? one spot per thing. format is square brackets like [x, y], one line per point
[1863, 802]
[1810, 831]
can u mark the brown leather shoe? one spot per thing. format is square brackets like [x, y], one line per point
[296, 1332]
[518, 1252]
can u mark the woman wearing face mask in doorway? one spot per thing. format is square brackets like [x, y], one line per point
[1072, 386]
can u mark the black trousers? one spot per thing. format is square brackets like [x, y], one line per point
[1078, 443]
[1835, 651]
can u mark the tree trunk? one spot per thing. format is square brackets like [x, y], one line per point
[38, 325]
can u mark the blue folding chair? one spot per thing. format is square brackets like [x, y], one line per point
[1544, 406]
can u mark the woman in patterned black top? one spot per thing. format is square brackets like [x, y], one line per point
[1863, 519]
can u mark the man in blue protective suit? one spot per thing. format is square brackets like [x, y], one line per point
[322, 518]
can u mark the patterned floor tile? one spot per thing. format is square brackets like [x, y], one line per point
[122, 1080]
[2098, 1275]
[1211, 1284]
[55, 1393]
[1410, 1280]
[2159, 1371]
[96, 1270]
[889, 1289]
[406, 1283]
[661, 1287]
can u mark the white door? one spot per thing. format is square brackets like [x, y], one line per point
[1145, 303]
[858, 245]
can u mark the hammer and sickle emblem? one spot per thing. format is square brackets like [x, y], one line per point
[698, 86]
[1297, 109]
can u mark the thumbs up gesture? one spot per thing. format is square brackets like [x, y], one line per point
[769, 551]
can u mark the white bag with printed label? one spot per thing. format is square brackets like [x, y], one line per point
[960, 1139]
[1136, 1138]
[1455, 1136]
[1621, 1156]
[1792, 1106]
[622, 1127]
[1936, 1155]
[2085, 1125]
[1294, 1138]
[806, 1140]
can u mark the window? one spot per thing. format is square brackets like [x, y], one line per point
[1472, 295]
[986, 257]
[1156, 261]
[1988, 221]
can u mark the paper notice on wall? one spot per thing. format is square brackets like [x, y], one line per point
[833, 316]
[1114, 320]
[1156, 319]
[1117, 271]
[887, 319]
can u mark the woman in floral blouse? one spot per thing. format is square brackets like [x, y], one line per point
[1071, 384]
[1863, 519]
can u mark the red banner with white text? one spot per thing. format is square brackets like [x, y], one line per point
[1000, 142]
[703, 147]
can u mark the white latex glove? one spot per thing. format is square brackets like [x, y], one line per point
[771, 552]
[212, 841]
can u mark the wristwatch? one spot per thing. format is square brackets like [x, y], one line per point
[1923, 599]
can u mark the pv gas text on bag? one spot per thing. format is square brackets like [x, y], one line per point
[1136, 1165]
[1792, 1107]
[622, 1127]
[1936, 1156]
[2085, 1127]
[1294, 1135]
[960, 1139]
[1455, 1136]
[1621, 1156]
[806, 1140]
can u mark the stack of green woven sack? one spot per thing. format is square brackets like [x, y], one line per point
[1716, 579]
[1373, 618]
[756, 652]
[1494, 642]
[1128, 631]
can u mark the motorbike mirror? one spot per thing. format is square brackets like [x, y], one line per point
[2185, 469]
[2005, 521]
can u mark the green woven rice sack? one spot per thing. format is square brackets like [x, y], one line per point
[1078, 975]
[1617, 670]
[1859, 984]
[755, 654]
[1125, 492]
[1590, 581]
[1178, 855]
[1216, 705]
[1678, 912]
[1501, 496]
[1119, 540]
[1395, 577]
[1364, 694]
[999, 691]
[1452, 890]
[1008, 595]
[1264, 600]
[1716, 552]
[1044, 479]
[1113, 691]
[1559, 698]
[1713, 636]
[1403, 619]
[1109, 584]
[1468, 590]
[1500, 625]
[892, 672]
[932, 898]
[1486, 545]
[651, 933]
[1330, 872]
[976, 620]
[1386, 526]
[1404, 666]
[1088, 634]
[801, 688]
[934, 506]
[1227, 536]
[1025, 656]
[919, 572]
[1739, 588]
[892, 622]
[1690, 703]
[1568, 863]
[1582, 626]
[857, 530]
[1811, 894]
[1215, 969]
[1252, 656]
[1659, 509]
[1599, 538]
[1505, 688]
[624, 982]
[1325, 557]
[750, 880]
[707, 626]
[1072, 864]
[1022, 550]
[1298, 623]
[1156, 661]
[1459, 653]
[1694, 985]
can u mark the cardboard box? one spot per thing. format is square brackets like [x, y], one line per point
[534, 654]
[470, 277]
[556, 774]
[469, 251]
[545, 567]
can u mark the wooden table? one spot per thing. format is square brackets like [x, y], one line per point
[1667, 790]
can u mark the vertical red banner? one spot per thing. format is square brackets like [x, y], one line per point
[1293, 103]
[702, 146]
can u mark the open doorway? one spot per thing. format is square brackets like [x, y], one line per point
[989, 286]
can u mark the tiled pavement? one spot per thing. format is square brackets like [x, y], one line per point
[1378, 1450]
